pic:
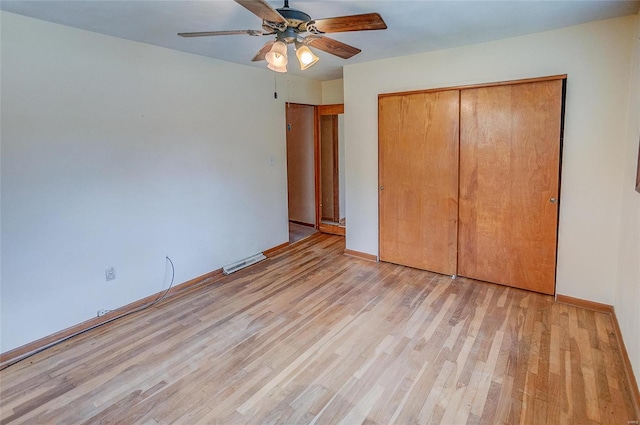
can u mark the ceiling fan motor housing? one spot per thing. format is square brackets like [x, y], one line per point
[287, 36]
[295, 17]
[296, 23]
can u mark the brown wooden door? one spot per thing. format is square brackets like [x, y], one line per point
[509, 184]
[418, 179]
[300, 163]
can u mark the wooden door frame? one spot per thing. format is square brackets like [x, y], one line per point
[638, 172]
[321, 110]
[478, 86]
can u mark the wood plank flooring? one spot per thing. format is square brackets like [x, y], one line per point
[298, 232]
[311, 336]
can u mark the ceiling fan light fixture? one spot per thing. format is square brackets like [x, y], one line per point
[281, 68]
[306, 57]
[277, 56]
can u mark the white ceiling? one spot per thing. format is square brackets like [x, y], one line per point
[414, 26]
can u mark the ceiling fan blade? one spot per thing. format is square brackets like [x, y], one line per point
[262, 10]
[332, 46]
[364, 22]
[210, 33]
[265, 49]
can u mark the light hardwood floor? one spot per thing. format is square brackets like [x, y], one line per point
[314, 336]
[298, 232]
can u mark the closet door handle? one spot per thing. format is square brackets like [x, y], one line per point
[553, 200]
[381, 187]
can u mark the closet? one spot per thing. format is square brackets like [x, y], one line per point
[469, 181]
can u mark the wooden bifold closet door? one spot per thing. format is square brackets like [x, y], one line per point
[509, 184]
[469, 181]
[418, 175]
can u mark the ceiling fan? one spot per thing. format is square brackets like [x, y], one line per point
[292, 26]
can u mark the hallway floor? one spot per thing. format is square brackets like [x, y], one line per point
[298, 232]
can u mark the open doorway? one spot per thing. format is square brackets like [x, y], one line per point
[315, 170]
[330, 187]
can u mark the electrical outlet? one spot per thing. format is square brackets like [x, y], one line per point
[102, 312]
[110, 273]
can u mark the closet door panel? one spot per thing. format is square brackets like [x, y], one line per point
[418, 179]
[509, 184]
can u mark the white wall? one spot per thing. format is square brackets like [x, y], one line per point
[294, 89]
[117, 153]
[627, 296]
[596, 57]
[332, 92]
